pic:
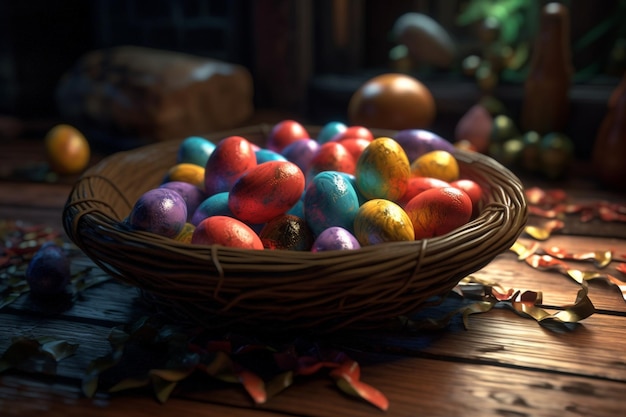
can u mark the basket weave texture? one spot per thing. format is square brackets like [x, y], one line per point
[222, 287]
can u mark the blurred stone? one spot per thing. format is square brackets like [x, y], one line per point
[427, 41]
[475, 126]
[132, 95]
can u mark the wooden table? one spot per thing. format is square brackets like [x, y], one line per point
[502, 364]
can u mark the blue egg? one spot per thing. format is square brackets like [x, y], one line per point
[195, 150]
[301, 152]
[215, 205]
[329, 130]
[266, 155]
[330, 200]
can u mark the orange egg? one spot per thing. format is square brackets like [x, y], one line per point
[67, 150]
[392, 101]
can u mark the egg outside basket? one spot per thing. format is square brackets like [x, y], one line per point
[223, 287]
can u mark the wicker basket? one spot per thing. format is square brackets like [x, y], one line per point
[223, 287]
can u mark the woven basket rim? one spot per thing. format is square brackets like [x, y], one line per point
[227, 282]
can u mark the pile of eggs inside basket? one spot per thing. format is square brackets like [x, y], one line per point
[342, 189]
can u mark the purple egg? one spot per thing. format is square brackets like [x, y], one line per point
[301, 152]
[48, 272]
[192, 195]
[335, 238]
[417, 142]
[161, 211]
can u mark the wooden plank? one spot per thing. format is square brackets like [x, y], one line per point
[594, 349]
[558, 289]
[414, 386]
[418, 386]
[24, 397]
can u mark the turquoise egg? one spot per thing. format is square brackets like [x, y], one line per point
[266, 155]
[215, 205]
[195, 150]
[329, 130]
[330, 200]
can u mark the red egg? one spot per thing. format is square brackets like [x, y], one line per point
[285, 133]
[473, 190]
[231, 157]
[266, 191]
[226, 231]
[354, 132]
[355, 146]
[332, 156]
[438, 211]
[417, 185]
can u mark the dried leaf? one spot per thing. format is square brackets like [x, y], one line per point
[545, 231]
[162, 389]
[278, 383]
[347, 376]
[58, 349]
[524, 251]
[39, 355]
[130, 383]
[601, 258]
[253, 384]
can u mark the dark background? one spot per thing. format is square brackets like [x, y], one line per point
[307, 57]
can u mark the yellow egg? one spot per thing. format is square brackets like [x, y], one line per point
[67, 150]
[381, 220]
[185, 234]
[186, 172]
[436, 164]
[383, 170]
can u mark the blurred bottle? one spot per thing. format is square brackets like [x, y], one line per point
[609, 150]
[545, 107]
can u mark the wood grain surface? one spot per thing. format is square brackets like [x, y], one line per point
[502, 364]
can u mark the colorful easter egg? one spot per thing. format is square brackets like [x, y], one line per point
[215, 205]
[329, 130]
[225, 231]
[266, 191]
[195, 150]
[335, 238]
[192, 195]
[287, 232]
[379, 220]
[161, 211]
[383, 170]
[284, 133]
[330, 200]
[232, 157]
[417, 142]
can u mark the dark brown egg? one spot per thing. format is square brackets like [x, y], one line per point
[287, 232]
[392, 101]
